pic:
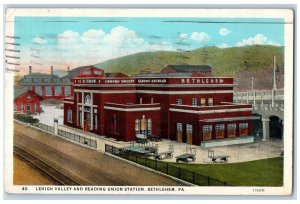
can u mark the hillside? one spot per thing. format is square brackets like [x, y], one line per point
[224, 61]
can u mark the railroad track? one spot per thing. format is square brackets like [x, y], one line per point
[57, 176]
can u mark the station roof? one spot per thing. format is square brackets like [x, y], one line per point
[191, 68]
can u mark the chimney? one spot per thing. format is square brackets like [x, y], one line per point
[51, 70]
[68, 69]
[30, 71]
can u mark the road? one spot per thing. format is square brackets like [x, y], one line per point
[87, 167]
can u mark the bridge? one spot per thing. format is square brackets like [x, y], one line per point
[266, 103]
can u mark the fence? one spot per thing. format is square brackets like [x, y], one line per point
[78, 138]
[167, 168]
[44, 127]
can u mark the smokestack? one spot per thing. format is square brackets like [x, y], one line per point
[51, 70]
[30, 69]
[68, 69]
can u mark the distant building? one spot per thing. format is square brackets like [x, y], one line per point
[176, 104]
[26, 101]
[194, 70]
[49, 85]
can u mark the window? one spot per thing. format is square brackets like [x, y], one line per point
[210, 102]
[203, 102]
[57, 90]
[28, 107]
[231, 126]
[149, 127]
[195, 102]
[87, 99]
[48, 91]
[28, 97]
[86, 72]
[243, 125]
[189, 128]
[69, 116]
[220, 127]
[97, 72]
[179, 101]
[179, 126]
[35, 107]
[80, 118]
[67, 90]
[207, 128]
[45, 80]
[22, 106]
[143, 125]
[35, 80]
[38, 90]
[137, 126]
[243, 129]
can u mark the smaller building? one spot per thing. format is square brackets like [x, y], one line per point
[26, 101]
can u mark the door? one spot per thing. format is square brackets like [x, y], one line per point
[231, 130]
[207, 132]
[87, 122]
[179, 132]
[220, 131]
[189, 133]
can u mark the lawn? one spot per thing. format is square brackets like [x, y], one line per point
[266, 172]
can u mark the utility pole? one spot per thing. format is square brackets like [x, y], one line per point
[252, 84]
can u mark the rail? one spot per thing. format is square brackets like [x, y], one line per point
[54, 174]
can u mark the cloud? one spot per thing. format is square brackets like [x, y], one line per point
[92, 36]
[259, 39]
[224, 31]
[39, 40]
[68, 37]
[123, 37]
[201, 37]
[182, 36]
[224, 45]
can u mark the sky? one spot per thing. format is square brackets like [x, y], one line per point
[74, 41]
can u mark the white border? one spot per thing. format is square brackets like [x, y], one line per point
[229, 13]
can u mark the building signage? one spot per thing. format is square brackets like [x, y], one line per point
[152, 81]
[202, 81]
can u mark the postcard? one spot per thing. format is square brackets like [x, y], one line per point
[149, 101]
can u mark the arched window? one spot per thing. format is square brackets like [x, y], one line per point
[87, 99]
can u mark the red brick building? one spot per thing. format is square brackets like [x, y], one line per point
[26, 101]
[177, 105]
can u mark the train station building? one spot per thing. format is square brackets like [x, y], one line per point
[183, 103]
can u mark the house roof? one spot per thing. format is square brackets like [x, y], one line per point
[43, 79]
[191, 68]
[18, 91]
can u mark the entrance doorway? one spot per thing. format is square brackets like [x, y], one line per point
[276, 127]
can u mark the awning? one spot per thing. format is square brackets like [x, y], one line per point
[230, 119]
